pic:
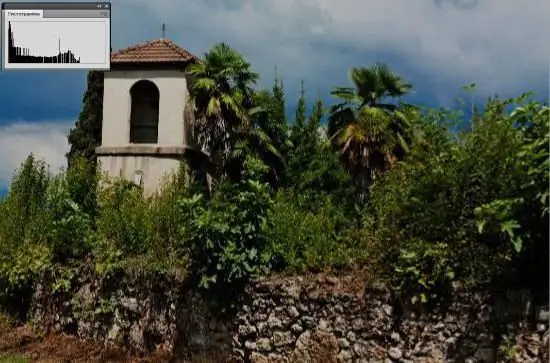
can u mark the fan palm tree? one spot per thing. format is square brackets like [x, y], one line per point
[368, 126]
[225, 108]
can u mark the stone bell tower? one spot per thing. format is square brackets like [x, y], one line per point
[146, 129]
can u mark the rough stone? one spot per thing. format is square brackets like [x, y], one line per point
[258, 358]
[112, 335]
[293, 312]
[309, 322]
[344, 343]
[277, 358]
[317, 346]
[296, 328]
[485, 355]
[262, 327]
[395, 353]
[281, 338]
[340, 325]
[292, 290]
[274, 323]
[351, 336]
[395, 337]
[358, 324]
[247, 330]
[345, 356]
[361, 349]
[130, 304]
[533, 349]
[388, 310]
[263, 345]
[250, 345]
[136, 336]
[543, 314]
[295, 319]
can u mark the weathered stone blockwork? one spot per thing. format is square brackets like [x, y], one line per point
[140, 313]
[298, 319]
[332, 320]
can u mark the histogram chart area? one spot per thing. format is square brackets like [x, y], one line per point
[54, 43]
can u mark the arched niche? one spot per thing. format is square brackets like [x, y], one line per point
[144, 113]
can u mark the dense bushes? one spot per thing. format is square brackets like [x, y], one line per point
[310, 232]
[459, 208]
[469, 207]
[225, 236]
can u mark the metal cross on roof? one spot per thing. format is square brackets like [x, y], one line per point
[163, 30]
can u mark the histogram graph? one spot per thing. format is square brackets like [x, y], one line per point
[56, 44]
[25, 55]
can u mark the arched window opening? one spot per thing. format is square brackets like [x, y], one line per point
[144, 114]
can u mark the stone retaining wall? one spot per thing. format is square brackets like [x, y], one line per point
[328, 320]
[296, 319]
[141, 313]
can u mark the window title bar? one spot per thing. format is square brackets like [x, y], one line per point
[56, 6]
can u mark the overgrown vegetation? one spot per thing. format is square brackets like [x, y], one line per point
[385, 186]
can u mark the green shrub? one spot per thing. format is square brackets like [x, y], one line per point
[463, 208]
[307, 232]
[69, 232]
[165, 212]
[225, 236]
[24, 222]
[83, 181]
[138, 230]
[457, 210]
[40, 224]
[13, 358]
[23, 217]
[123, 225]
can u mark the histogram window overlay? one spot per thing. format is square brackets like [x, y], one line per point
[56, 38]
[23, 55]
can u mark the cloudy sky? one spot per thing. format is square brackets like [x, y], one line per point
[438, 45]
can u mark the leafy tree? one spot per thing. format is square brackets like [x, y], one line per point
[371, 132]
[467, 206]
[470, 207]
[298, 160]
[312, 141]
[277, 107]
[309, 232]
[272, 124]
[69, 228]
[277, 127]
[300, 118]
[317, 115]
[222, 98]
[82, 182]
[85, 136]
[23, 227]
[518, 215]
[313, 166]
[227, 235]
[28, 189]
[324, 172]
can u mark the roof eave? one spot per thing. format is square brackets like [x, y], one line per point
[150, 65]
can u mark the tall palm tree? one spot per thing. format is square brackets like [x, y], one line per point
[225, 108]
[369, 126]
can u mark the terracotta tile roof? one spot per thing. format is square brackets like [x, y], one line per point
[155, 51]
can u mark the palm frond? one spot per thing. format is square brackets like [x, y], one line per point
[340, 116]
[344, 93]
